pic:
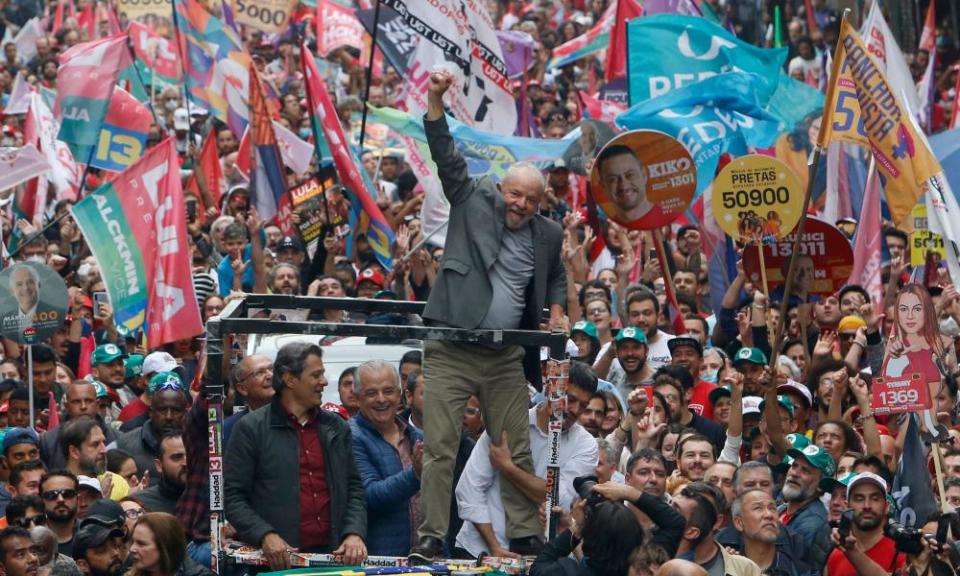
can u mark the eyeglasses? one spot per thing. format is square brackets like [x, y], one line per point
[259, 373]
[471, 411]
[133, 513]
[27, 521]
[66, 494]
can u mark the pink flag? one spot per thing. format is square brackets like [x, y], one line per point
[337, 26]
[928, 38]
[867, 246]
[17, 165]
[602, 110]
[40, 129]
[296, 153]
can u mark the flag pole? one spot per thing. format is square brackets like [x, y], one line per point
[366, 90]
[814, 165]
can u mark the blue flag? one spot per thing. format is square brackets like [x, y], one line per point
[718, 115]
[911, 485]
[669, 51]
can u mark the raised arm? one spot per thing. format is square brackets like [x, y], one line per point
[451, 167]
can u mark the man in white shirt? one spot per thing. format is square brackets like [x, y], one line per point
[478, 491]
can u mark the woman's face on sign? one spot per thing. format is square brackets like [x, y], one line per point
[910, 314]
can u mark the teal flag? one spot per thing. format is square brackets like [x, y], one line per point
[670, 51]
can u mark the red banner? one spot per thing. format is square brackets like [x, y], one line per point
[337, 26]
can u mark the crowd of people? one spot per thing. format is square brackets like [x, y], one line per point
[681, 452]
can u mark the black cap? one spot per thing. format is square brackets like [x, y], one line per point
[92, 535]
[8, 384]
[104, 512]
[684, 340]
[288, 242]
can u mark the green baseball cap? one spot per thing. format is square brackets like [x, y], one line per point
[751, 355]
[787, 403]
[106, 353]
[100, 388]
[133, 366]
[586, 327]
[719, 392]
[828, 485]
[164, 381]
[817, 457]
[798, 442]
[631, 333]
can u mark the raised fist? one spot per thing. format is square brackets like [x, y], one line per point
[439, 82]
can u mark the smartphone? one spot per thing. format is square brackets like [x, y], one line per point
[98, 299]
[846, 522]
[191, 211]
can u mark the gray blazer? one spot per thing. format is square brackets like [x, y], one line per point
[462, 292]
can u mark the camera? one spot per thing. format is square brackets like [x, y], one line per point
[905, 539]
[846, 522]
[584, 487]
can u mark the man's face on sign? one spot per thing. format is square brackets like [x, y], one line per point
[25, 287]
[624, 179]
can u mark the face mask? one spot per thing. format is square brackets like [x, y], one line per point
[710, 376]
[304, 133]
[170, 105]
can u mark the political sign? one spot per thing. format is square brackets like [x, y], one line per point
[336, 26]
[823, 269]
[144, 9]
[896, 395]
[268, 16]
[123, 136]
[756, 197]
[643, 179]
[922, 240]
[33, 302]
[17, 165]
[395, 39]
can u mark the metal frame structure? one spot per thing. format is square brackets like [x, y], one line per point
[233, 320]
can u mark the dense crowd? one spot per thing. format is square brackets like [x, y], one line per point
[681, 452]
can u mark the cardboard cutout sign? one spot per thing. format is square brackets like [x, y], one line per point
[33, 302]
[757, 197]
[827, 259]
[644, 179]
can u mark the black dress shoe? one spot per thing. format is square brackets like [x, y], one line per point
[426, 552]
[528, 546]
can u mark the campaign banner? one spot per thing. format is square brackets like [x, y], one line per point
[757, 198]
[395, 39]
[85, 80]
[136, 228]
[267, 16]
[670, 51]
[895, 395]
[157, 53]
[337, 26]
[33, 302]
[144, 9]
[460, 37]
[922, 240]
[825, 265]
[123, 137]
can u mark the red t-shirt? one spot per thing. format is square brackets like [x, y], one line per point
[883, 553]
[314, 495]
[700, 401]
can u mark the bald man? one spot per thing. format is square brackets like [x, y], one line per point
[681, 568]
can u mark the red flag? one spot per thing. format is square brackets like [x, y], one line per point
[602, 110]
[928, 38]
[87, 20]
[811, 18]
[617, 51]
[868, 243]
[210, 167]
[58, 17]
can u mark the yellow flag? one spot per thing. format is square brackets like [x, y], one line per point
[862, 108]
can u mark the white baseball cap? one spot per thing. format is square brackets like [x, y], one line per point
[751, 404]
[158, 362]
[90, 483]
[181, 119]
[868, 477]
[792, 385]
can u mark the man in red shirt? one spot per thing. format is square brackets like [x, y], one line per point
[686, 351]
[866, 550]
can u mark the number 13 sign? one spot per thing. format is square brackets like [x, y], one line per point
[893, 396]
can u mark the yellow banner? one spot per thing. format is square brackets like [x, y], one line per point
[922, 240]
[866, 111]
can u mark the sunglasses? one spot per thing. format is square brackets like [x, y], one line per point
[28, 521]
[51, 495]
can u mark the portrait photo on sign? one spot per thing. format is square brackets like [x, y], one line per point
[915, 348]
[643, 179]
[33, 298]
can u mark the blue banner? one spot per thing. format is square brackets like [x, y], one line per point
[666, 52]
[718, 115]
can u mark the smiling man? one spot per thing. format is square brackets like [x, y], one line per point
[501, 266]
[389, 455]
[290, 480]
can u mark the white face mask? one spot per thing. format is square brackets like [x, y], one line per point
[38, 258]
[710, 376]
[170, 105]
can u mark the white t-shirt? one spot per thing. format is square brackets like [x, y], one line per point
[659, 353]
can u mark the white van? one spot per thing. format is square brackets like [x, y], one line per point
[338, 353]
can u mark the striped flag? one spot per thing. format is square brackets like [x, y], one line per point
[85, 81]
[592, 41]
[326, 126]
[268, 182]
